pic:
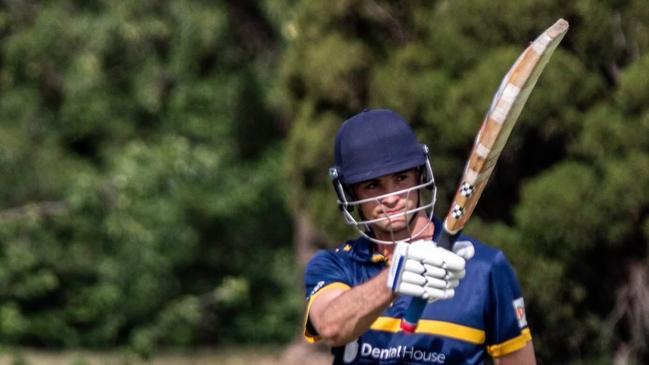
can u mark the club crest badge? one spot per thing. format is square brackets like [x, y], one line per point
[519, 309]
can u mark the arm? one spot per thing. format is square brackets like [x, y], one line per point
[507, 317]
[524, 356]
[420, 269]
[340, 315]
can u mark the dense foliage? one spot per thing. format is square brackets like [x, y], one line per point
[156, 154]
[142, 203]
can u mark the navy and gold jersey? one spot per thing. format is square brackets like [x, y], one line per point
[486, 315]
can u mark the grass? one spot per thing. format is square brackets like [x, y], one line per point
[292, 355]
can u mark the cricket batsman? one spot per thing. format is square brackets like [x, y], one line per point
[357, 293]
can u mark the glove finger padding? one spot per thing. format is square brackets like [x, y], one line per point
[421, 250]
[436, 283]
[440, 273]
[423, 270]
[435, 271]
[413, 278]
[455, 275]
[433, 294]
[415, 266]
[429, 294]
[445, 259]
[412, 289]
[428, 253]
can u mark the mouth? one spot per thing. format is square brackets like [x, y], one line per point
[392, 212]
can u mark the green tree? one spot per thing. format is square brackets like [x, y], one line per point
[141, 199]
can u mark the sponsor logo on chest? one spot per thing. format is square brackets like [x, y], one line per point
[407, 353]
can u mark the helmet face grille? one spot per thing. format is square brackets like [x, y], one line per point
[346, 203]
[375, 143]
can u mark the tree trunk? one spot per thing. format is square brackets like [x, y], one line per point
[306, 236]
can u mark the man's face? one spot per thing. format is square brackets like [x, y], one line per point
[391, 207]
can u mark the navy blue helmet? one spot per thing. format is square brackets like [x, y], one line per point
[375, 143]
[371, 144]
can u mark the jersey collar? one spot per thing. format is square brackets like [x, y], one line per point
[362, 249]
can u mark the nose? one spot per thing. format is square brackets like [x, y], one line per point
[390, 200]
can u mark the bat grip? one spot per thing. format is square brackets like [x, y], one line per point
[413, 313]
[446, 240]
[409, 321]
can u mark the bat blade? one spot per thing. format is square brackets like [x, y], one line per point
[496, 127]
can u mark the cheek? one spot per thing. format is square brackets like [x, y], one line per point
[367, 209]
[411, 201]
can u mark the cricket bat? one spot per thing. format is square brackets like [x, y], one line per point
[496, 127]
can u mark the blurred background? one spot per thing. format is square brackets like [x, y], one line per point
[164, 167]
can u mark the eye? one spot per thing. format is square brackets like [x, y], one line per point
[402, 177]
[370, 186]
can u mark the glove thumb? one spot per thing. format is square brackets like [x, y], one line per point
[464, 249]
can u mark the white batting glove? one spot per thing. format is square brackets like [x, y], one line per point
[422, 269]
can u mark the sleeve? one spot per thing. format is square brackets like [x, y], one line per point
[324, 272]
[507, 329]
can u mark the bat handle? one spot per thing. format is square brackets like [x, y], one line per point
[446, 239]
[409, 321]
[413, 313]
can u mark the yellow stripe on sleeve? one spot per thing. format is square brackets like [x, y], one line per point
[311, 338]
[430, 327]
[511, 345]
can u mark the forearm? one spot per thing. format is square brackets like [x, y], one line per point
[350, 314]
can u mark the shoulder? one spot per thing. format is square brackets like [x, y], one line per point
[358, 249]
[345, 264]
[337, 254]
[324, 260]
[341, 256]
